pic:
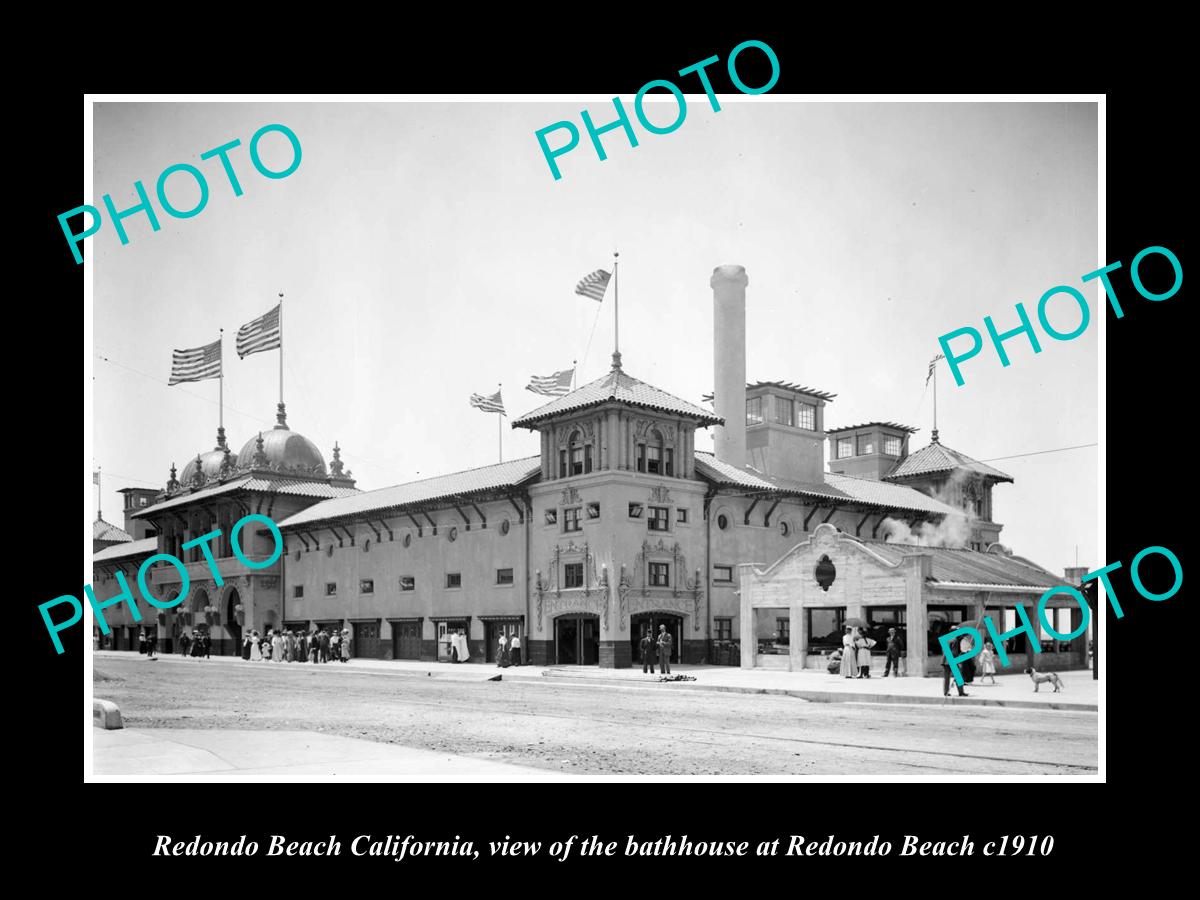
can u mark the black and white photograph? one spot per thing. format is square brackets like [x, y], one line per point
[520, 439]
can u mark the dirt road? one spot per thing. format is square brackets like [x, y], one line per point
[600, 729]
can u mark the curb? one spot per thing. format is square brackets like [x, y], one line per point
[105, 714]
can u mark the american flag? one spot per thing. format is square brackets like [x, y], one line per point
[196, 364]
[489, 404]
[555, 385]
[259, 334]
[932, 364]
[594, 285]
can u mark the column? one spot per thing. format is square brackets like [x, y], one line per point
[916, 568]
[746, 616]
[545, 455]
[610, 441]
[797, 648]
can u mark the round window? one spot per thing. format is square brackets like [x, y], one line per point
[453, 534]
[407, 539]
[784, 528]
[722, 521]
[504, 526]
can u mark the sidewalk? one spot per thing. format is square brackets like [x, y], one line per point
[1080, 692]
[169, 754]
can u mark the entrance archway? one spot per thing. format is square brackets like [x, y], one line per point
[642, 622]
[577, 640]
[231, 622]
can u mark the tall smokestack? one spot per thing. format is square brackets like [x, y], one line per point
[728, 284]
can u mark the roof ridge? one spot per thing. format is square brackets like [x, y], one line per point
[495, 465]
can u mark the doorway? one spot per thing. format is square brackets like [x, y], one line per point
[366, 643]
[649, 622]
[509, 629]
[577, 640]
[406, 639]
[231, 623]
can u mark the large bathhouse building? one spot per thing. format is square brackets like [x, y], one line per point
[753, 554]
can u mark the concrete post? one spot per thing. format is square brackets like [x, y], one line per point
[917, 568]
[728, 284]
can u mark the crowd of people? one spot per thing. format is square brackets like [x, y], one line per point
[317, 646]
[197, 644]
[508, 651]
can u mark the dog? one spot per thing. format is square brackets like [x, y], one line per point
[1040, 678]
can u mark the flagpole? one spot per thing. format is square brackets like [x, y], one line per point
[99, 490]
[500, 424]
[221, 383]
[574, 373]
[935, 428]
[616, 314]
[281, 349]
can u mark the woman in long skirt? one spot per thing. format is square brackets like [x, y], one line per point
[345, 646]
[255, 647]
[246, 642]
[277, 647]
[849, 668]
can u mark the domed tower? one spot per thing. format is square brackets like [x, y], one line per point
[216, 464]
[282, 450]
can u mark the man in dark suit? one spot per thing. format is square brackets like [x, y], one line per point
[323, 640]
[894, 648]
[664, 649]
[647, 652]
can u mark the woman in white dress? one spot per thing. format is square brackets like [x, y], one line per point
[277, 647]
[255, 648]
[849, 668]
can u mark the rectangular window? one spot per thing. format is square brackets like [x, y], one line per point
[366, 586]
[754, 411]
[783, 411]
[593, 510]
[577, 460]
[891, 445]
[723, 629]
[681, 516]
[298, 591]
[806, 415]
[641, 457]
[453, 579]
[669, 462]
[587, 458]
[552, 517]
[845, 448]
[408, 583]
[635, 510]
[723, 574]
[825, 627]
[562, 463]
[654, 459]
[658, 519]
[866, 444]
[783, 628]
[660, 574]
[330, 588]
[573, 575]
[504, 576]
[571, 519]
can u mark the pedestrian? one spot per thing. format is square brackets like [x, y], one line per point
[514, 649]
[335, 645]
[965, 646]
[648, 650]
[893, 654]
[848, 653]
[502, 652]
[152, 643]
[946, 680]
[834, 664]
[141, 642]
[863, 645]
[314, 646]
[206, 644]
[988, 660]
[255, 647]
[324, 645]
[197, 644]
[301, 646]
[345, 656]
[246, 642]
[277, 646]
[185, 643]
[664, 650]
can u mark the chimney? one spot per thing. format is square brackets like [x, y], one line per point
[729, 361]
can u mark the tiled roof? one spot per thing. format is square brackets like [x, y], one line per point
[121, 551]
[972, 567]
[895, 425]
[940, 458]
[785, 385]
[843, 488]
[105, 531]
[458, 484]
[618, 386]
[291, 486]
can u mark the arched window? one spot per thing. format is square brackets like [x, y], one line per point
[654, 456]
[576, 457]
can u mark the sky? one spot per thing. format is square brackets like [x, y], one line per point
[426, 253]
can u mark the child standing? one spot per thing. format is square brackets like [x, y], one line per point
[988, 660]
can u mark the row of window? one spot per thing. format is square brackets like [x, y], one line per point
[652, 458]
[866, 444]
[659, 518]
[784, 410]
[407, 583]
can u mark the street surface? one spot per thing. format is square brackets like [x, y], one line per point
[598, 729]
